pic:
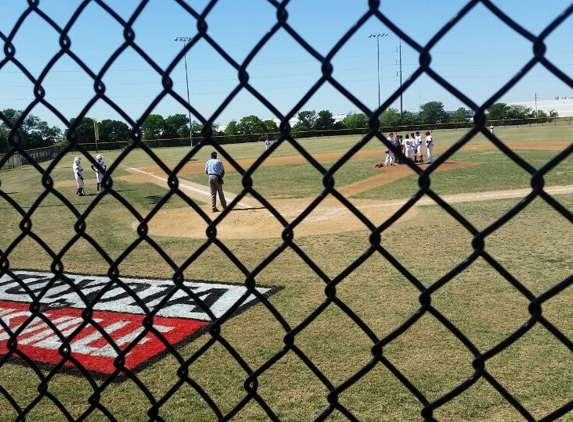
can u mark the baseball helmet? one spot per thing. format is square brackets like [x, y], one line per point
[77, 160]
[427, 132]
[99, 157]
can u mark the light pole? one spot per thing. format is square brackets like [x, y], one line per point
[185, 40]
[400, 58]
[377, 36]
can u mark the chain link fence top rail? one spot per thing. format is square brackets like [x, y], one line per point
[333, 400]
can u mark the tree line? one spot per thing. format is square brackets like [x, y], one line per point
[35, 133]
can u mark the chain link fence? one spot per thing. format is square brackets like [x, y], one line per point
[95, 292]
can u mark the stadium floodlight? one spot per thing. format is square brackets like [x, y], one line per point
[377, 36]
[185, 40]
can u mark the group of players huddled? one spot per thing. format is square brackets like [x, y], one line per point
[410, 146]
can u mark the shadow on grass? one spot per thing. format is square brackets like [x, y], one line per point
[155, 199]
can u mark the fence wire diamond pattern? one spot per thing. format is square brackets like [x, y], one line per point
[187, 378]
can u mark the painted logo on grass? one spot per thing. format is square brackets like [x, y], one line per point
[116, 315]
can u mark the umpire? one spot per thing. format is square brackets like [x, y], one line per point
[214, 168]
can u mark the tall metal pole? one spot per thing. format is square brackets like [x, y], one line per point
[185, 40]
[377, 36]
[378, 71]
[400, 55]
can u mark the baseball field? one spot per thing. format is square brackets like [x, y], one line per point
[362, 329]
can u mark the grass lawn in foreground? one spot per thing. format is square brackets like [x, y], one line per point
[534, 247]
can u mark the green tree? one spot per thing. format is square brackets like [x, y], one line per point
[306, 120]
[153, 126]
[407, 119]
[85, 133]
[231, 128]
[433, 112]
[498, 111]
[113, 131]
[355, 121]
[49, 134]
[198, 127]
[518, 111]
[324, 121]
[461, 115]
[176, 126]
[250, 124]
[541, 116]
[270, 126]
[33, 132]
[4, 132]
[390, 118]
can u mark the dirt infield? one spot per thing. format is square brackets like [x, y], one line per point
[249, 219]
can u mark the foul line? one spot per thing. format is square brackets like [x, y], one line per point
[515, 193]
[425, 201]
[191, 188]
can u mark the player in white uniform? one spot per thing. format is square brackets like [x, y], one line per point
[429, 146]
[418, 145]
[389, 154]
[99, 171]
[408, 144]
[79, 175]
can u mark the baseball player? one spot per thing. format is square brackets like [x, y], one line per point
[418, 145]
[429, 146]
[408, 144]
[79, 175]
[214, 168]
[267, 144]
[389, 161]
[99, 171]
[414, 144]
[399, 143]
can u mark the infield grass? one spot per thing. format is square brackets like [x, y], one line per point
[534, 247]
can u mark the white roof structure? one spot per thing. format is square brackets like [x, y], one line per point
[562, 105]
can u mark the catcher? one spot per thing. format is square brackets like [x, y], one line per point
[99, 169]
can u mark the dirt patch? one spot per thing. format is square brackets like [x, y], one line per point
[249, 219]
[197, 167]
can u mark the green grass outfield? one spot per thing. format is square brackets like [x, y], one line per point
[534, 247]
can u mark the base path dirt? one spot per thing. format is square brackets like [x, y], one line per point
[249, 219]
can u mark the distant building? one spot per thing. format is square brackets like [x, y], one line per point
[562, 105]
[337, 118]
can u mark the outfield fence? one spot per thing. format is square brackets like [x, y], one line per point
[43, 154]
[21, 158]
[334, 406]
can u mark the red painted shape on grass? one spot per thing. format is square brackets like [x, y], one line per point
[39, 342]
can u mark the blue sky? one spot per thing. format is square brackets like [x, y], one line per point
[478, 56]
